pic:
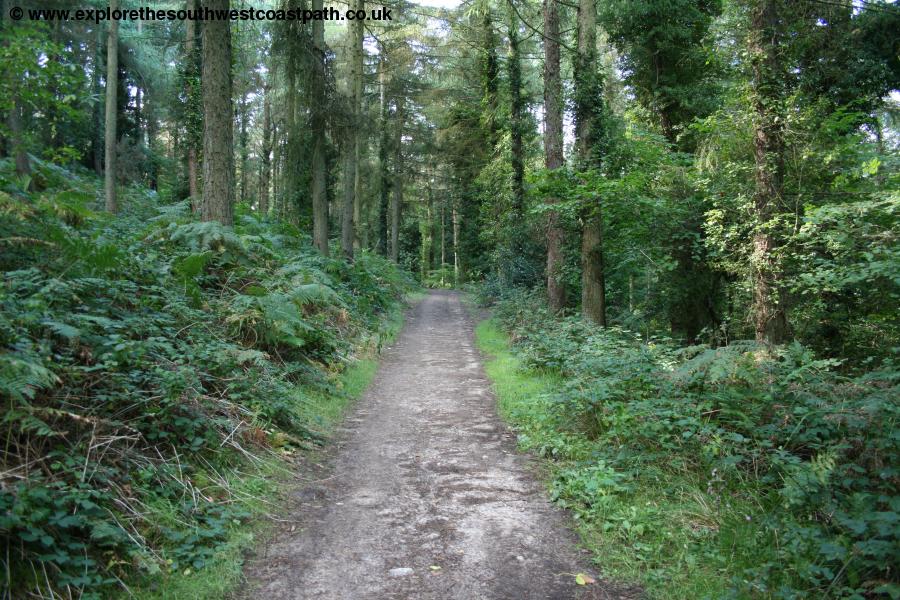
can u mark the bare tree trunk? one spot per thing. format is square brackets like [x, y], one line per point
[192, 160]
[443, 238]
[218, 120]
[319, 191]
[97, 141]
[426, 229]
[455, 218]
[351, 150]
[516, 115]
[152, 131]
[276, 170]
[347, 205]
[553, 149]
[112, 81]
[244, 145]
[397, 199]
[768, 310]
[265, 174]
[384, 186]
[290, 179]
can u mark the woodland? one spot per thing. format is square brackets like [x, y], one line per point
[682, 214]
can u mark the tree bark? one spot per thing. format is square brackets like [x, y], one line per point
[768, 310]
[397, 198]
[351, 158]
[152, 131]
[426, 228]
[384, 187]
[516, 115]
[454, 215]
[265, 174]
[553, 149]
[443, 238]
[218, 120]
[319, 166]
[243, 140]
[112, 84]
[588, 108]
[97, 141]
[193, 168]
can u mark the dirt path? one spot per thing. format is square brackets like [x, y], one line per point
[427, 476]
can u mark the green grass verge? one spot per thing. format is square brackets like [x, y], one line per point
[269, 478]
[661, 532]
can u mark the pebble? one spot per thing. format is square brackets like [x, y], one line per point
[400, 572]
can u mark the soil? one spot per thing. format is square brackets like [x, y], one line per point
[424, 495]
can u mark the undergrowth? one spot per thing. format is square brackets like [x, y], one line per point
[153, 369]
[733, 472]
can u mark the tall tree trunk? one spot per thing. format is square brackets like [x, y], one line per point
[349, 193]
[319, 166]
[516, 115]
[454, 215]
[588, 108]
[426, 228]
[193, 169]
[152, 131]
[276, 169]
[292, 132]
[112, 85]
[443, 236]
[218, 120]
[768, 310]
[553, 149]
[244, 150]
[97, 116]
[265, 174]
[384, 184]
[397, 198]
[351, 156]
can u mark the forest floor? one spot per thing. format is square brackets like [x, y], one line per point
[424, 495]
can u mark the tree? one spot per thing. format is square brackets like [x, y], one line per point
[397, 198]
[112, 79]
[191, 79]
[384, 182]
[553, 149]
[352, 142]
[265, 174]
[218, 119]
[768, 309]
[588, 124]
[318, 127]
[516, 113]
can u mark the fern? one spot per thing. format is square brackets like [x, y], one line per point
[200, 237]
[317, 294]
[22, 375]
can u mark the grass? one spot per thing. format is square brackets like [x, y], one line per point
[270, 478]
[659, 528]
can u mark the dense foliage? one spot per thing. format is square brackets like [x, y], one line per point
[770, 469]
[148, 361]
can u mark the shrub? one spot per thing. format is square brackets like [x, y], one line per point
[143, 360]
[816, 451]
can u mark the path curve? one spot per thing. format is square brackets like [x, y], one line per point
[426, 476]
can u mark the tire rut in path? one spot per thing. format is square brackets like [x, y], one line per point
[426, 475]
